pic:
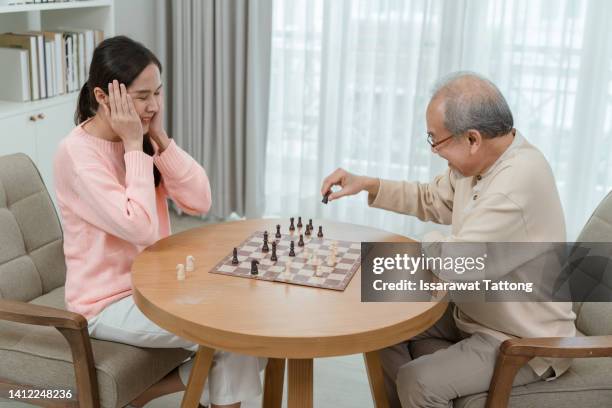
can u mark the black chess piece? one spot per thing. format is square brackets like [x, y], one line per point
[310, 224]
[254, 269]
[265, 247]
[307, 232]
[299, 224]
[235, 257]
[273, 257]
[320, 233]
[301, 241]
[291, 226]
[278, 233]
[292, 249]
[326, 197]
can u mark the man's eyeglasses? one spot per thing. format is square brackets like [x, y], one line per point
[433, 144]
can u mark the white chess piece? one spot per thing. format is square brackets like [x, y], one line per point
[317, 265]
[180, 272]
[190, 264]
[288, 268]
[331, 259]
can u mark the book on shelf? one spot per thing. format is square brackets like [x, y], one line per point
[15, 78]
[30, 44]
[59, 54]
[88, 40]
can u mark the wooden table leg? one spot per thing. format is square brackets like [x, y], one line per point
[376, 379]
[197, 378]
[273, 383]
[300, 383]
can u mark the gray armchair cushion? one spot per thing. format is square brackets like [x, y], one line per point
[41, 356]
[31, 254]
[586, 385]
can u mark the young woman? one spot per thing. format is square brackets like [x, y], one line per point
[113, 174]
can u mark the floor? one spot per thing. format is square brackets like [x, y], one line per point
[339, 382]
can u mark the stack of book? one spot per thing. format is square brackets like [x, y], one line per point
[43, 64]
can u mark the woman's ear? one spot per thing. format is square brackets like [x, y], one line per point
[100, 96]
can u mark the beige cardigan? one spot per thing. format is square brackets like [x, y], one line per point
[515, 200]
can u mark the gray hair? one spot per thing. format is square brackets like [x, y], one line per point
[473, 102]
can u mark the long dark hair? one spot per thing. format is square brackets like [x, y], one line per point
[119, 58]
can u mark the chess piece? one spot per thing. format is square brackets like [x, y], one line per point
[320, 233]
[292, 249]
[299, 224]
[316, 262]
[331, 259]
[180, 272]
[265, 247]
[326, 197]
[307, 232]
[273, 257]
[291, 226]
[278, 233]
[310, 224]
[254, 269]
[235, 257]
[301, 241]
[288, 267]
[189, 263]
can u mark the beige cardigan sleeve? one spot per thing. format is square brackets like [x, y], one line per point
[427, 201]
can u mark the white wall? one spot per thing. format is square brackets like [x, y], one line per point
[145, 22]
[138, 20]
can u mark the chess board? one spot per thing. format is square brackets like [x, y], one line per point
[337, 277]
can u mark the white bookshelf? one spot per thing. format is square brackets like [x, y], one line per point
[36, 127]
[91, 14]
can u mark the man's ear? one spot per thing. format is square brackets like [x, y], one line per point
[475, 139]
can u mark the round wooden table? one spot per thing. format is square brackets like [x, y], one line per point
[280, 321]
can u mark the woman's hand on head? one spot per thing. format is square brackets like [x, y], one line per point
[124, 119]
[156, 128]
[157, 122]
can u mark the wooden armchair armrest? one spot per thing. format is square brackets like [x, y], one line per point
[39, 315]
[515, 353]
[559, 347]
[73, 327]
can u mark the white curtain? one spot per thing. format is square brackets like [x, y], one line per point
[220, 62]
[350, 81]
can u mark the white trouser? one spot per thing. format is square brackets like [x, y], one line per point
[232, 378]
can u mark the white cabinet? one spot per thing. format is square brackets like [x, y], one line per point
[17, 135]
[37, 133]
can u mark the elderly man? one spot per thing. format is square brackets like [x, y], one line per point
[497, 188]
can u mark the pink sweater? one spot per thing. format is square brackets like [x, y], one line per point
[111, 211]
